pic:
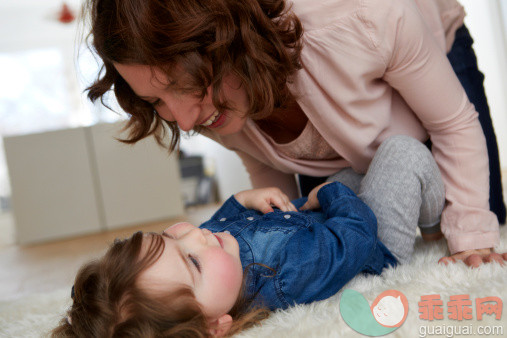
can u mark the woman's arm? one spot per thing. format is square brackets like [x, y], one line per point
[419, 70]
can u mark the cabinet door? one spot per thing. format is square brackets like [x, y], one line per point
[52, 187]
[138, 183]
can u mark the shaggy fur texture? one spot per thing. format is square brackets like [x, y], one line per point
[36, 315]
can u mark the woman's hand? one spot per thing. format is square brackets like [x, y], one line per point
[263, 199]
[313, 201]
[474, 258]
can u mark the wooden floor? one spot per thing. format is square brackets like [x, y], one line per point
[51, 266]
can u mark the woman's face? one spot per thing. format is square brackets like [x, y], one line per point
[187, 110]
[206, 262]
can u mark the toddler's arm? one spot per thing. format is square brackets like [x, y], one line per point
[313, 201]
[257, 199]
[331, 253]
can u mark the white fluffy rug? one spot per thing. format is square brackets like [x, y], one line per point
[36, 315]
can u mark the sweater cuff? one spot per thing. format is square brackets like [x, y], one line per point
[470, 241]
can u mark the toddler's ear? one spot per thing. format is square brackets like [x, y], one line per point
[221, 326]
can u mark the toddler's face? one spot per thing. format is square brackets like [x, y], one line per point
[208, 263]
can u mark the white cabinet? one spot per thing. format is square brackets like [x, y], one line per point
[138, 183]
[77, 181]
[52, 185]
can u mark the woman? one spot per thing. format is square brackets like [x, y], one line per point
[244, 74]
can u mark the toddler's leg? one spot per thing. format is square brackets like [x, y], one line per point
[348, 177]
[404, 189]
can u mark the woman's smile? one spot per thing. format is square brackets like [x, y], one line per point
[210, 119]
[187, 110]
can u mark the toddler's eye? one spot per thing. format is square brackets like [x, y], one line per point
[195, 262]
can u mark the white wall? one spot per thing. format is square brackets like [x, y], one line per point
[484, 21]
[32, 24]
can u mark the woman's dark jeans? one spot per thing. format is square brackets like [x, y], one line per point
[464, 62]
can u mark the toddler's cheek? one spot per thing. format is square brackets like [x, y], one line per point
[229, 272]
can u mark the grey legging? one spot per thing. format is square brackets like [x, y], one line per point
[404, 188]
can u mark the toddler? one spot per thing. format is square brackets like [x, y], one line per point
[249, 258]
[225, 275]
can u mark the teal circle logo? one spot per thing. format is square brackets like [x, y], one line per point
[387, 312]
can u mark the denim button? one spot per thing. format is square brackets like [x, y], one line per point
[250, 218]
[223, 219]
[286, 216]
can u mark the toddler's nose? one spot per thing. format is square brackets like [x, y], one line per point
[197, 235]
[206, 232]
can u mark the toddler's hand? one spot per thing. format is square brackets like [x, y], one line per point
[263, 199]
[313, 201]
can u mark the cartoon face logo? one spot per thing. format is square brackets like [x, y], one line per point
[385, 315]
[389, 311]
[390, 308]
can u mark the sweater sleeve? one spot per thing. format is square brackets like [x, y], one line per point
[329, 254]
[419, 70]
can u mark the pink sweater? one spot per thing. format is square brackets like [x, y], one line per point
[372, 69]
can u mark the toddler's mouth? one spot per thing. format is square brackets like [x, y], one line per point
[220, 241]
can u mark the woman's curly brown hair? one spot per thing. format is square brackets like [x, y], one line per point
[258, 40]
[107, 301]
